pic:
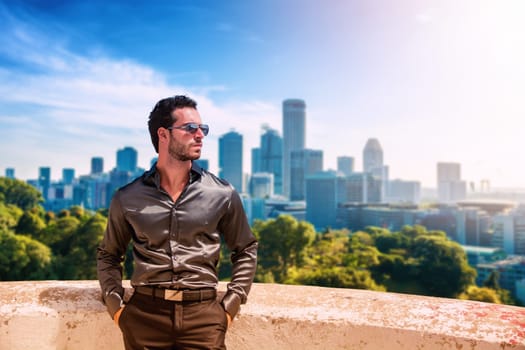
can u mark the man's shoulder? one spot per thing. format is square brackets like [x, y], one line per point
[213, 180]
[135, 185]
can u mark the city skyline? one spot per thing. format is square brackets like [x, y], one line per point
[433, 81]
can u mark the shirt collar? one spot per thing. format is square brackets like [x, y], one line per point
[153, 176]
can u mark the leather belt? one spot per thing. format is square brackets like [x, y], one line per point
[178, 294]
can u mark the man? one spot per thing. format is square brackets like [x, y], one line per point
[175, 215]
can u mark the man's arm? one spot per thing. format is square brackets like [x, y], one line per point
[110, 255]
[243, 244]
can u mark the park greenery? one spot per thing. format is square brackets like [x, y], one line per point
[39, 245]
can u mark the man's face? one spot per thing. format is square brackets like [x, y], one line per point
[183, 145]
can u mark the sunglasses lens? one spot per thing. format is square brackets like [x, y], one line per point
[205, 129]
[192, 128]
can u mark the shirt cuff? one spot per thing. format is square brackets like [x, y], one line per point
[231, 303]
[113, 303]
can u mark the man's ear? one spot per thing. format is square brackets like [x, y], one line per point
[162, 133]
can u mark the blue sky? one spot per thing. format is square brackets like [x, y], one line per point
[432, 80]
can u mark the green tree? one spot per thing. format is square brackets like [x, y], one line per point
[484, 294]
[79, 261]
[22, 258]
[19, 193]
[31, 224]
[282, 242]
[9, 215]
[336, 277]
[443, 266]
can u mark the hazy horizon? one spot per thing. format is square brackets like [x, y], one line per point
[433, 81]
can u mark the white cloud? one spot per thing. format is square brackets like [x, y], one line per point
[92, 106]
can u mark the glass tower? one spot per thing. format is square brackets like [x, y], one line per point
[230, 159]
[294, 135]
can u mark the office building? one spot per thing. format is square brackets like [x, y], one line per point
[294, 135]
[345, 165]
[373, 164]
[360, 188]
[278, 206]
[303, 163]
[373, 157]
[509, 231]
[68, 175]
[127, 159]
[10, 173]
[511, 272]
[230, 159]
[449, 184]
[256, 160]
[401, 191]
[44, 181]
[271, 157]
[473, 227]
[322, 199]
[97, 165]
[261, 185]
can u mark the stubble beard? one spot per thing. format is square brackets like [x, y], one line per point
[180, 151]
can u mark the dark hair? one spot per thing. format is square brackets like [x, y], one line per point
[160, 116]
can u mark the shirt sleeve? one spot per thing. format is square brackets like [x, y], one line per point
[110, 255]
[241, 241]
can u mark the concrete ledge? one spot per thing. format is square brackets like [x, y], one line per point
[69, 315]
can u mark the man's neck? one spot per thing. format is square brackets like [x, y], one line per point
[174, 175]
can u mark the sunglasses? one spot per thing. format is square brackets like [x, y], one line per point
[192, 128]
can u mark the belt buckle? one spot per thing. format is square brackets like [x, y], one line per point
[173, 295]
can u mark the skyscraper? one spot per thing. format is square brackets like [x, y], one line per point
[127, 159]
[68, 175]
[294, 135]
[449, 184]
[97, 165]
[322, 192]
[44, 181]
[271, 157]
[372, 157]
[10, 173]
[230, 159]
[303, 163]
[256, 160]
[373, 163]
[345, 165]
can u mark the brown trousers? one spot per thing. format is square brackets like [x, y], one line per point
[152, 323]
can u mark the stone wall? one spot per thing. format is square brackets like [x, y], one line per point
[69, 315]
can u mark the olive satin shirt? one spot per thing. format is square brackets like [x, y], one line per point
[176, 245]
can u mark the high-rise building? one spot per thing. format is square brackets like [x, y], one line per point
[360, 188]
[261, 185]
[127, 159]
[256, 160]
[302, 164]
[230, 159]
[97, 165]
[401, 191]
[10, 173]
[271, 157]
[449, 184]
[68, 175]
[44, 180]
[372, 157]
[322, 199]
[294, 135]
[345, 165]
[373, 164]
[509, 231]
